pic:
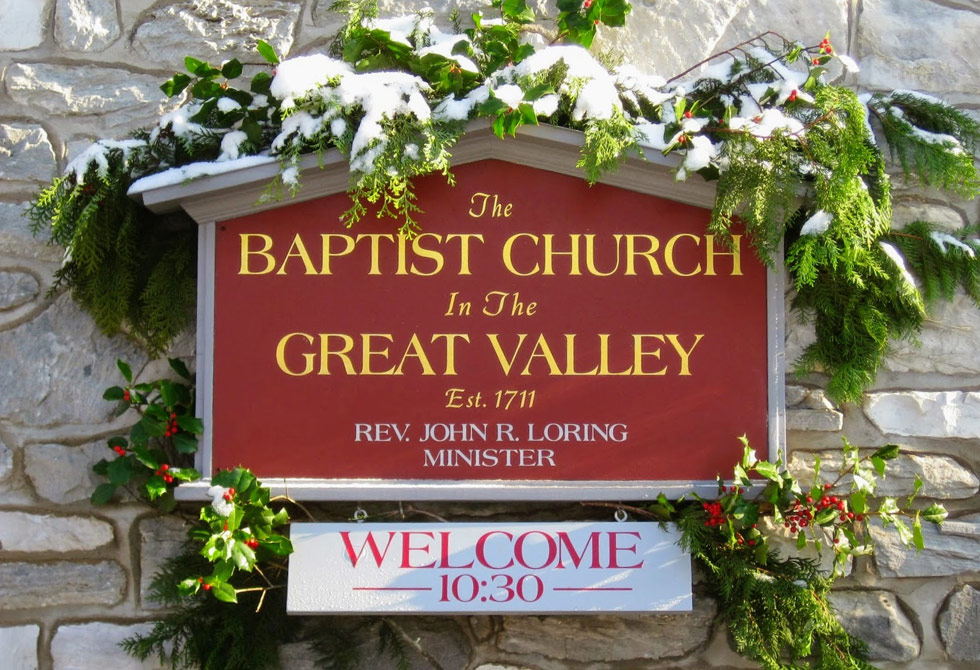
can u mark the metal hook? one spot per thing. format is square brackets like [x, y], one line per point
[360, 514]
[620, 515]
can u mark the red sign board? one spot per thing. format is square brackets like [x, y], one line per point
[537, 329]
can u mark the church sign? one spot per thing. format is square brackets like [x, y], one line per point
[538, 338]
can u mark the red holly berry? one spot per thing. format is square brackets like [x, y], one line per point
[168, 478]
[206, 587]
[859, 517]
[792, 96]
[688, 115]
[809, 499]
[587, 4]
[173, 415]
[751, 543]
[252, 543]
[164, 467]
[226, 525]
[836, 540]
[126, 396]
[119, 450]
[826, 487]
[682, 139]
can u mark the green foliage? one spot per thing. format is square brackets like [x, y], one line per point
[776, 607]
[931, 140]
[156, 456]
[940, 260]
[239, 531]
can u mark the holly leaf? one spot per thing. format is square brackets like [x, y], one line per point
[225, 592]
[185, 443]
[180, 368]
[231, 69]
[904, 534]
[191, 424]
[120, 471]
[175, 85]
[917, 534]
[267, 52]
[124, 368]
[935, 513]
[879, 464]
[800, 540]
[103, 494]
[278, 545]
[261, 83]
[189, 586]
[113, 393]
[155, 487]
[768, 470]
[859, 502]
[887, 452]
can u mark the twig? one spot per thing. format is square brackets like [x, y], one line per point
[414, 643]
[726, 52]
[639, 511]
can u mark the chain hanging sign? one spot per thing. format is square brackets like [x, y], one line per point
[537, 339]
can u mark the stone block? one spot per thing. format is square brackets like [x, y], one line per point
[119, 98]
[947, 345]
[16, 238]
[216, 30]
[63, 474]
[19, 645]
[20, 531]
[26, 153]
[666, 37]
[17, 288]
[23, 24]
[161, 538]
[909, 44]
[958, 624]
[95, 646]
[945, 553]
[876, 617]
[947, 218]
[6, 461]
[925, 413]
[943, 478]
[610, 638]
[58, 583]
[86, 25]
[57, 366]
[824, 420]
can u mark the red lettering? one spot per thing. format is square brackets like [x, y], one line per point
[445, 554]
[565, 541]
[370, 543]
[481, 554]
[614, 549]
[407, 548]
[519, 549]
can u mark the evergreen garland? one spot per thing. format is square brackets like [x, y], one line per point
[795, 159]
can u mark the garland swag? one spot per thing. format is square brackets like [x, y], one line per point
[795, 159]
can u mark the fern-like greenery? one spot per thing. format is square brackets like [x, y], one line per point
[777, 613]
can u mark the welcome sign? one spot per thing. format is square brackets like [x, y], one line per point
[537, 339]
[518, 568]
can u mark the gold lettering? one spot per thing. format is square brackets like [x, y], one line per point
[297, 250]
[270, 261]
[326, 245]
[632, 252]
[638, 355]
[508, 250]
[735, 253]
[685, 354]
[669, 255]
[342, 353]
[281, 355]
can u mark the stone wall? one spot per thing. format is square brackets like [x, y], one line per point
[73, 578]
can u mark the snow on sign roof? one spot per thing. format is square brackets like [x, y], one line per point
[227, 189]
